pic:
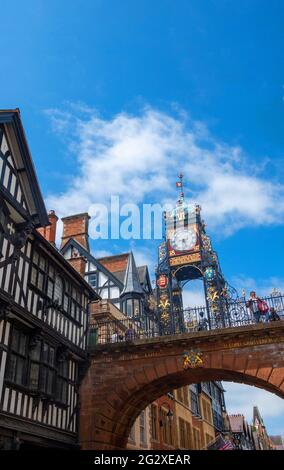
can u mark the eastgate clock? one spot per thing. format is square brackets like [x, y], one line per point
[183, 239]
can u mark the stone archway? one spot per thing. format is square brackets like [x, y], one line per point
[124, 378]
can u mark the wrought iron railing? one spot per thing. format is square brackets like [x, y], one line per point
[234, 313]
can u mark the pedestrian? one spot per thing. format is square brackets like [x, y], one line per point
[114, 337]
[263, 309]
[130, 333]
[252, 304]
[203, 322]
[273, 315]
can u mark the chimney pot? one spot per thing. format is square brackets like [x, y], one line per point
[49, 232]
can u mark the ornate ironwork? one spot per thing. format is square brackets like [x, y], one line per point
[235, 313]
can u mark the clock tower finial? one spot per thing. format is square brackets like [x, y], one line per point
[179, 184]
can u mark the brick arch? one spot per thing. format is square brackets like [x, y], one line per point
[123, 379]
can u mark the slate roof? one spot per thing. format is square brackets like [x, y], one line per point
[131, 278]
[141, 273]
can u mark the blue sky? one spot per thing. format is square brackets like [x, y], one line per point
[117, 93]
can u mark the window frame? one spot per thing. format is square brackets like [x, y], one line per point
[71, 303]
[14, 353]
[62, 380]
[154, 422]
[142, 428]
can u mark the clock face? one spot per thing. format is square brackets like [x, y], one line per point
[183, 239]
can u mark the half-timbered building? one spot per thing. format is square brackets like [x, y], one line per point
[43, 310]
[115, 278]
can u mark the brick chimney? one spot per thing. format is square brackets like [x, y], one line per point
[78, 263]
[76, 226]
[49, 232]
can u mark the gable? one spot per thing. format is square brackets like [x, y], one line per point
[19, 186]
[9, 178]
[92, 263]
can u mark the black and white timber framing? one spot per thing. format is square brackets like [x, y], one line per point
[43, 311]
[111, 285]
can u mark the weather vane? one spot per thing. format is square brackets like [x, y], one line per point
[179, 184]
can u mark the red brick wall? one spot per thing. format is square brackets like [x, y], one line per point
[123, 379]
[49, 232]
[115, 263]
[79, 264]
[76, 226]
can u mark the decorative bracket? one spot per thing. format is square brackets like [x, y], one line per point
[62, 354]
[17, 235]
[35, 339]
[5, 309]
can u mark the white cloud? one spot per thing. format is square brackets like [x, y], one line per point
[262, 287]
[139, 157]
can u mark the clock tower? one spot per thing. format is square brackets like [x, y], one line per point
[186, 254]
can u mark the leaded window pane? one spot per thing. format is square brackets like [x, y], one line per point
[20, 363]
[51, 356]
[51, 271]
[34, 276]
[40, 281]
[12, 367]
[22, 344]
[64, 392]
[42, 263]
[35, 352]
[129, 309]
[73, 309]
[78, 313]
[136, 307]
[50, 381]
[50, 286]
[34, 376]
[15, 340]
[58, 290]
[66, 302]
[62, 382]
[45, 353]
[44, 378]
[35, 257]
